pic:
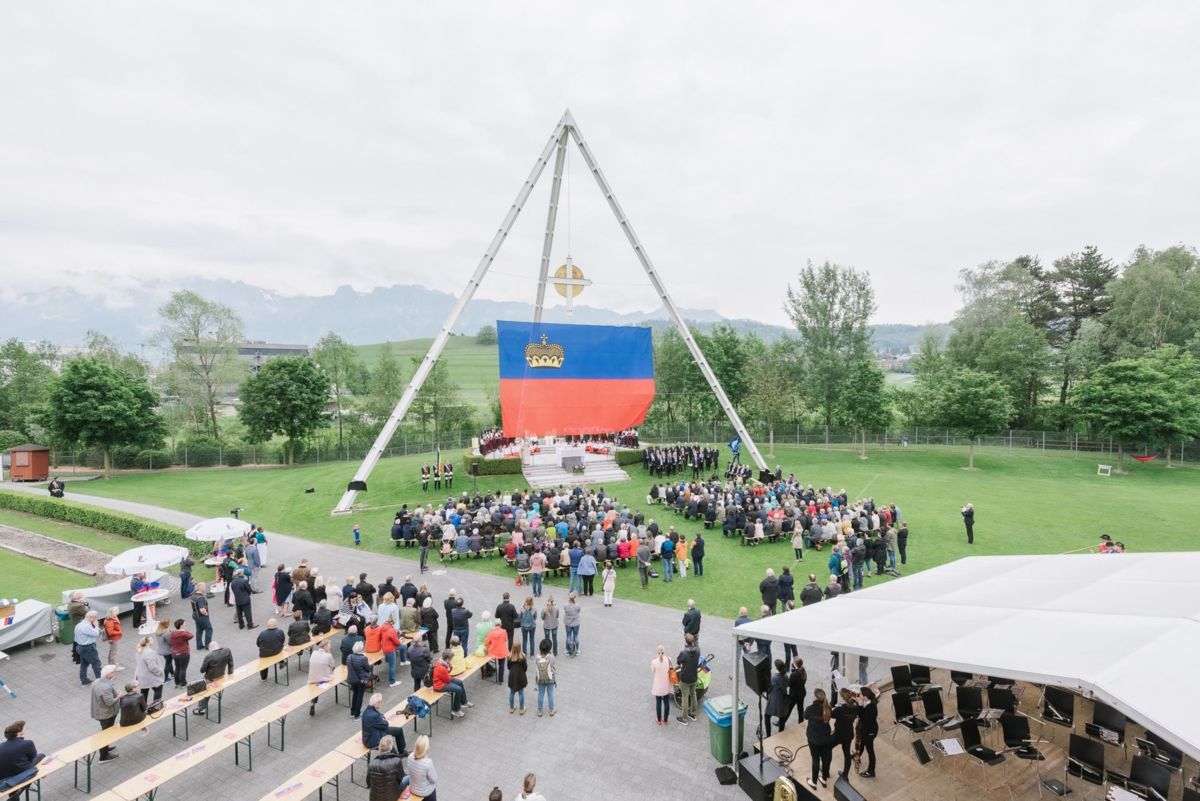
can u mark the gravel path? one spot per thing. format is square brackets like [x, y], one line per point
[56, 552]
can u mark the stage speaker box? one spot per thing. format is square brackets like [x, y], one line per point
[842, 791]
[922, 755]
[757, 668]
[475, 469]
[758, 785]
[358, 486]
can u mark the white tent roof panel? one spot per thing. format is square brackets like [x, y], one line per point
[1124, 629]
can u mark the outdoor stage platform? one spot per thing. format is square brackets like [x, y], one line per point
[902, 777]
[546, 469]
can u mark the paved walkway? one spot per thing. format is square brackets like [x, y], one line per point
[602, 744]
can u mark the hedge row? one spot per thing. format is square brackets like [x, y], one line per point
[628, 457]
[490, 467]
[138, 528]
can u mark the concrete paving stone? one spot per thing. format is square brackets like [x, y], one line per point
[602, 743]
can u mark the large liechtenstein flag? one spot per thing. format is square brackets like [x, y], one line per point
[573, 379]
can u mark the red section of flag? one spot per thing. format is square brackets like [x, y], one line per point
[573, 406]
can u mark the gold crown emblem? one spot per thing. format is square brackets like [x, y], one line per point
[544, 355]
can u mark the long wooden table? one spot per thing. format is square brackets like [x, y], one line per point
[176, 707]
[328, 769]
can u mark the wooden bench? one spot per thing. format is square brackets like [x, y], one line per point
[489, 552]
[327, 770]
[236, 735]
[177, 708]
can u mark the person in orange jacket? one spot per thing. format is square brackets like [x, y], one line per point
[495, 645]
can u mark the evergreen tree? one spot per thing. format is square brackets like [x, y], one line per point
[1082, 281]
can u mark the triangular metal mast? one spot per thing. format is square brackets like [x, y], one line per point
[567, 127]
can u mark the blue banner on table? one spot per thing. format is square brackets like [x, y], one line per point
[573, 379]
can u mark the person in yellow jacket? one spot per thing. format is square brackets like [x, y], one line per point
[681, 553]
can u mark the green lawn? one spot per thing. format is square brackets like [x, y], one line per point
[475, 368]
[1026, 502]
[26, 578]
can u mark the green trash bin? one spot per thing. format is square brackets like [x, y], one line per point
[720, 728]
[66, 634]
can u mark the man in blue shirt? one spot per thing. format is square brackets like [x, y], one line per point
[575, 554]
[668, 558]
[87, 632]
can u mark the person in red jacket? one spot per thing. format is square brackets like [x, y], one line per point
[444, 684]
[389, 642]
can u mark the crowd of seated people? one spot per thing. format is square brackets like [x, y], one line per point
[807, 516]
[621, 439]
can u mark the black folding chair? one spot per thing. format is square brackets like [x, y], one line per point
[921, 675]
[1159, 750]
[1108, 725]
[1149, 779]
[974, 746]
[1002, 698]
[1085, 760]
[960, 677]
[931, 699]
[902, 681]
[902, 705]
[970, 702]
[1020, 743]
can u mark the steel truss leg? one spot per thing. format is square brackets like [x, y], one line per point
[566, 127]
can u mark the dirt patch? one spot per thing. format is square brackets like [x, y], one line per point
[63, 554]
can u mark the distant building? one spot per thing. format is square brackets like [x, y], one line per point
[251, 355]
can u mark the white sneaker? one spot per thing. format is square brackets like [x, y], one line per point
[394, 684]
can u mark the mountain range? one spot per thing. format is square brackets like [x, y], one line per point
[64, 316]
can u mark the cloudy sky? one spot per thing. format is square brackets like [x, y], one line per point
[301, 146]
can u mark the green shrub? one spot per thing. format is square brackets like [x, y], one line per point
[152, 460]
[138, 528]
[233, 457]
[200, 455]
[628, 457]
[490, 467]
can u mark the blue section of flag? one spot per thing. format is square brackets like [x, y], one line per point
[589, 351]
[735, 444]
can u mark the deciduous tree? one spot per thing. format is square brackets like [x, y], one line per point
[286, 396]
[974, 403]
[830, 306]
[100, 406]
[203, 338]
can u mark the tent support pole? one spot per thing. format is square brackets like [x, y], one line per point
[736, 733]
[346, 504]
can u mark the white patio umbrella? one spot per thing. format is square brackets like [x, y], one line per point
[216, 529]
[145, 557]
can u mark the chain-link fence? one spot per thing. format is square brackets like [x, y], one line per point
[714, 433]
[203, 456]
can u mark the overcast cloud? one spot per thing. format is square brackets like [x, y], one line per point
[301, 146]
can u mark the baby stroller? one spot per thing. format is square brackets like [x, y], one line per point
[703, 679]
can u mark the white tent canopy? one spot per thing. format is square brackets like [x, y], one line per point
[1123, 629]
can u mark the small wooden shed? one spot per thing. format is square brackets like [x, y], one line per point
[29, 463]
